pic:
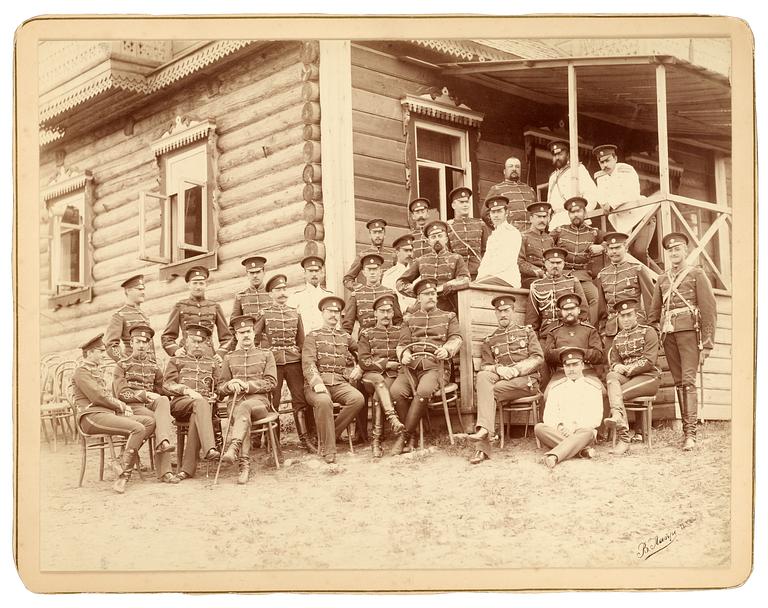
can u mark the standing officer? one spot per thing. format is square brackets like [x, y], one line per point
[619, 280]
[561, 187]
[445, 268]
[467, 235]
[499, 265]
[541, 310]
[196, 309]
[377, 232]
[325, 358]
[509, 369]
[518, 194]
[253, 299]
[284, 332]
[535, 241]
[191, 379]
[404, 251]
[359, 306]
[419, 208]
[684, 308]
[378, 360]
[250, 372]
[99, 412]
[138, 382]
[633, 372]
[580, 241]
[130, 314]
[306, 299]
[570, 331]
[428, 324]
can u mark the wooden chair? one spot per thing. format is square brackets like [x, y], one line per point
[102, 442]
[59, 410]
[268, 426]
[529, 405]
[350, 430]
[643, 405]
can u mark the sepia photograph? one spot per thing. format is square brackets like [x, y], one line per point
[429, 310]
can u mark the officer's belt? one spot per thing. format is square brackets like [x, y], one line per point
[684, 309]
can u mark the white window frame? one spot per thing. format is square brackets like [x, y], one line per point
[165, 234]
[58, 208]
[182, 187]
[463, 136]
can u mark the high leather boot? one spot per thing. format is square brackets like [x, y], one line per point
[412, 442]
[680, 392]
[376, 447]
[232, 452]
[389, 409]
[399, 444]
[305, 439]
[244, 468]
[618, 418]
[126, 461]
[690, 417]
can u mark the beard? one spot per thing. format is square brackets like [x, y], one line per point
[559, 163]
[438, 247]
[577, 221]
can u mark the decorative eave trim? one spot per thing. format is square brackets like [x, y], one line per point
[65, 181]
[443, 107]
[465, 50]
[182, 133]
[194, 62]
[651, 165]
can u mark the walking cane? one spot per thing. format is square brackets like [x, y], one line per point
[441, 381]
[226, 437]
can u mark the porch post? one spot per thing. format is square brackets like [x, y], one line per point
[336, 157]
[661, 117]
[573, 127]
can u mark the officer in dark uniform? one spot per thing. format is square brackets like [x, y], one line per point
[138, 382]
[619, 280]
[511, 358]
[377, 231]
[581, 243]
[378, 360]
[684, 307]
[326, 357]
[130, 314]
[191, 380]
[196, 309]
[419, 209]
[99, 412]
[570, 331]
[447, 269]
[359, 306]
[253, 299]
[536, 240]
[250, 372]
[467, 235]
[437, 327]
[283, 330]
[633, 372]
[541, 310]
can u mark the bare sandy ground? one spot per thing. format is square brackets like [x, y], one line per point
[431, 511]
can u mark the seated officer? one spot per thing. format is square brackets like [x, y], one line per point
[509, 370]
[250, 373]
[378, 360]
[633, 374]
[436, 327]
[138, 382]
[325, 357]
[573, 413]
[99, 412]
[192, 379]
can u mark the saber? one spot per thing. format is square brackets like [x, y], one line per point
[226, 437]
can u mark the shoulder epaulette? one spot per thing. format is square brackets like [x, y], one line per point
[557, 382]
[587, 324]
[594, 382]
[599, 173]
[624, 168]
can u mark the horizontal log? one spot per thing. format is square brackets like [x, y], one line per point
[375, 82]
[378, 147]
[311, 152]
[270, 185]
[311, 132]
[122, 203]
[314, 248]
[312, 192]
[310, 51]
[286, 114]
[396, 214]
[278, 253]
[261, 204]
[310, 113]
[144, 179]
[314, 231]
[393, 66]
[310, 72]
[310, 91]
[313, 212]
[312, 174]
[260, 150]
[376, 190]
[289, 157]
[257, 223]
[380, 169]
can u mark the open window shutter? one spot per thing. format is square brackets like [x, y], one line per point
[154, 228]
[192, 204]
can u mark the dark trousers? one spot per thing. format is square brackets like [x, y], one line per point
[410, 407]
[200, 431]
[491, 389]
[591, 292]
[160, 410]
[682, 351]
[135, 428]
[292, 374]
[561, 446]
[351, 401]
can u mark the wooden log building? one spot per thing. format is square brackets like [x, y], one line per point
[159, 155]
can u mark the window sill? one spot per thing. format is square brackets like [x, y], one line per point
[179, 269]
[84, 294]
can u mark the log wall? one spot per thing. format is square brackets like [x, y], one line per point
[262, 144]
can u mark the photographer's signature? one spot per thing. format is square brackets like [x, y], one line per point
[658, 542]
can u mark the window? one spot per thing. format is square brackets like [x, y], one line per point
[68, 200]
[442, 163]
[177, 226]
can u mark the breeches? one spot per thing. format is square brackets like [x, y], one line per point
[135, 428]
[682, 350]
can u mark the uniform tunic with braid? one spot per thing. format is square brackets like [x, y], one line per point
[541, 311]
[520, 195]
[576, 241]
[119, 331]
[202, 312]
[616, 282]
[467, 237]
[250, 301]
[531, 256]
[420, 244]
[638, 349]
[359, 307]
[350, 280]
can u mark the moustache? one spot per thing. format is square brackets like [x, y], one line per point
[438, 247]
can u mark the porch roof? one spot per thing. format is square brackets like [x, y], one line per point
[619, 90]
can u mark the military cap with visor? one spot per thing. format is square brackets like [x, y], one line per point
[604, 150]
[403, 241]
[503, 302]
[242, 321]
[571, 353]
[136, 280]
[312, 262]
[279, 280]
[142, 331]
[435, 226]
[376, 224]
[539, 207]
[331, 303]
[385, 301]
[254, 262]
[568, 300]
[555, 253]
[574, 203]
[93, 343]
[457, 192]
[419, 203]
[423, 284]
[496, 202]
[674, 238]
[196, 272]
[615, 238]
[195, 329]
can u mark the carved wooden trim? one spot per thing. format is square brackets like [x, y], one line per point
[182, 133]
[441, 107]
[64, 181]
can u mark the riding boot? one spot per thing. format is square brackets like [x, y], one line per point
[618, 418]
[397, 447]
[244, 468]
[680, 392]
[306, 440]
[389, 410]
[126, 462]
[690, 417]
[232, 452]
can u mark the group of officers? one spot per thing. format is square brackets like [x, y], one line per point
[580, 328]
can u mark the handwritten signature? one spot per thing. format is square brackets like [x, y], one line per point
[658, 542]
